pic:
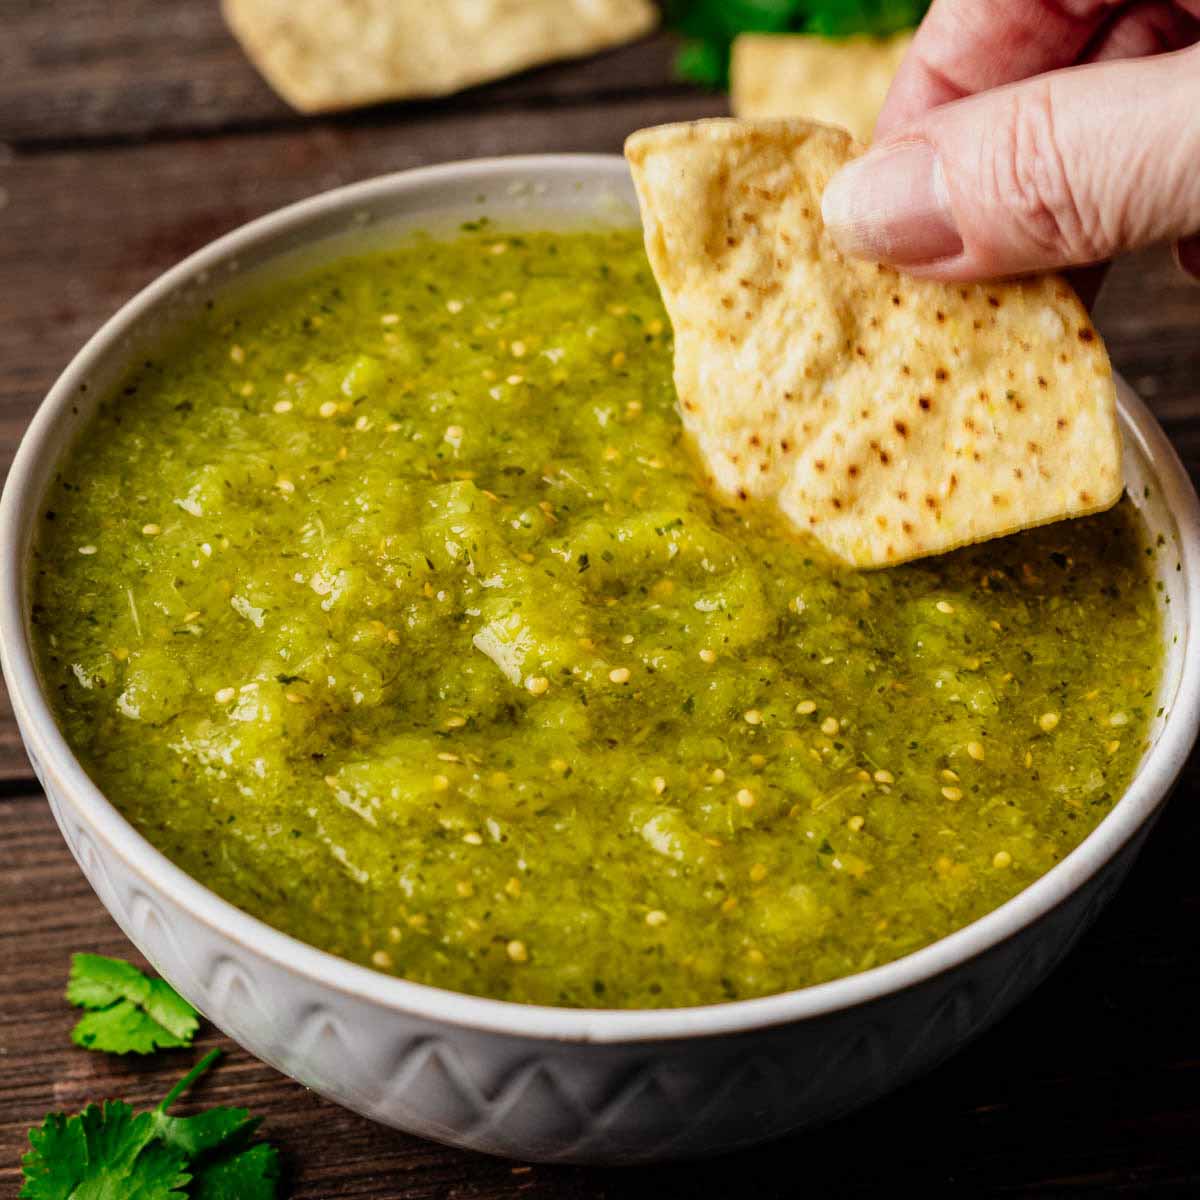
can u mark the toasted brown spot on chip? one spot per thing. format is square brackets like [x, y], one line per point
[825, 331]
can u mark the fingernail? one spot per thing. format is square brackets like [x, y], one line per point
[1187, 255]
[891, 205]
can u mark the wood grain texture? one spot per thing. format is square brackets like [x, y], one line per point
[1091, 1089]
[117, 70]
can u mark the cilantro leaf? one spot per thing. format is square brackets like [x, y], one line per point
[841, 18]
[111, 1153]
[172, 1011]
[96, 981]
[129, 1012]
[221, 1129]
[252, 1174]
[123, 1029]
[223, 1166]
[105, 1153]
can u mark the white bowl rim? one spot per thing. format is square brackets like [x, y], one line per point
[1157, 773]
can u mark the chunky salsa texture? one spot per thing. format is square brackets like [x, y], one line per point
[389, 603]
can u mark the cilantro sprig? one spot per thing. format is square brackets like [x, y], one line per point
[128, 1012]
[711, 25]
[109, 1152]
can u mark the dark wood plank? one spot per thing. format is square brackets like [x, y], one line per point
[1092, 1088]
[79, 70]
[13, 764]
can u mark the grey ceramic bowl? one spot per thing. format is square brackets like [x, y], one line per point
[542, 1083]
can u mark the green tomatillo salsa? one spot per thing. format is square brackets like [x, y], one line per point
[388, 603]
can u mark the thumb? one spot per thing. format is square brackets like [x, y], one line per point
[1059, 170]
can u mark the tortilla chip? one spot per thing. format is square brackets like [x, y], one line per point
[888, 417]
[799, 75]
[321, 55]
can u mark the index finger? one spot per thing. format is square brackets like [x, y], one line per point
[968, 46]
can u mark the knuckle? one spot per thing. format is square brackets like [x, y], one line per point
[1030, 177]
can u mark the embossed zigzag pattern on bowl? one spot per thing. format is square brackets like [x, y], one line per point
[563, 1102]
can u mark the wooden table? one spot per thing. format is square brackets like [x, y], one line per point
[132, 132]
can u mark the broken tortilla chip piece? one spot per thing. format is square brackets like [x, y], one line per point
[888, 417]
[322, 55]
[841, 82]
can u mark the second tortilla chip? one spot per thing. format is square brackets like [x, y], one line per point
[888, 417]
[322, 55]
[841, 82]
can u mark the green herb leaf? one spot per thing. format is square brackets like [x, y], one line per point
[252, 1174]
[124, 1029]
[129, 1012]
[218, 1129]
[102, 1154]
[703, 63]
[711, 26]
[109, 1153]
[97, 982]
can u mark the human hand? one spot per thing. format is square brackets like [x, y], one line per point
[1026, 135]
